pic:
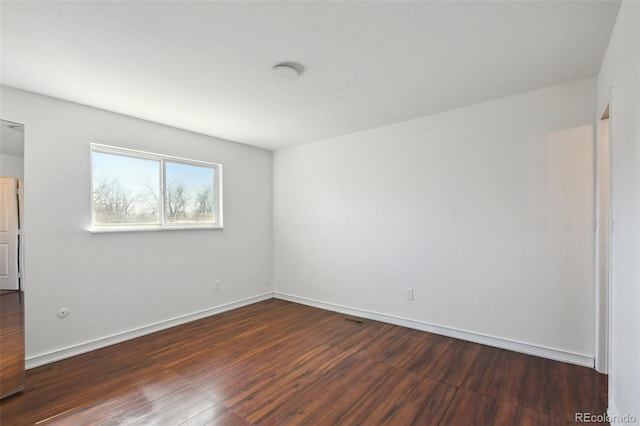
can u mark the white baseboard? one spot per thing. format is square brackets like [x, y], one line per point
[57, 355]
[558, 355]
[614, 417]
[612, 412]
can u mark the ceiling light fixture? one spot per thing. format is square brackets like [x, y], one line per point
[286, 72]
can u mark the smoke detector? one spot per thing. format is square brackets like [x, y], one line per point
[286, 72]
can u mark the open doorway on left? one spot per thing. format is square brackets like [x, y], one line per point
[12, 354]
[11, 205]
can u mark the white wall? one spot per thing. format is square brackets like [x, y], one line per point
[10, 165]
[486, 211]
[620, 73]
[119, 282]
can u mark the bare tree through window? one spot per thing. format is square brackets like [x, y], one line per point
[127, 190]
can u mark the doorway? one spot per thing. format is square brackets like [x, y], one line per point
[12, 361]
[11, 205]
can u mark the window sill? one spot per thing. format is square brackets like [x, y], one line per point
[112, 229]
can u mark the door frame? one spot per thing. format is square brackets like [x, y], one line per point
[603, 302]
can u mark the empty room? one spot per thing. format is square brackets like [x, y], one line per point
[320, 212]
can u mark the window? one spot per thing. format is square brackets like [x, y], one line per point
[133, 190]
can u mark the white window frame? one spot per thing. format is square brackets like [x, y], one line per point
[164, 224]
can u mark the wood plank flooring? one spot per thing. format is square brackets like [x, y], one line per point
[12, 374]
[280, 363]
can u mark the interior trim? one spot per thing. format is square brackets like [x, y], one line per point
[498, 342]
[526, 348]
[57, 355]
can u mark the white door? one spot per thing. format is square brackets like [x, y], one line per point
[8, 234]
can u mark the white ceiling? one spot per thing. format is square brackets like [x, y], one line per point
[204, 66]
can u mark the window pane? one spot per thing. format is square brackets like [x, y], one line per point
[189, 193]
[126, 190]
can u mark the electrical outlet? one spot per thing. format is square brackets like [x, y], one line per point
[408, 293]
[216, 285]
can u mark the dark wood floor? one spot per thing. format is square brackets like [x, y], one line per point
[11, 342]
[279, 363]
